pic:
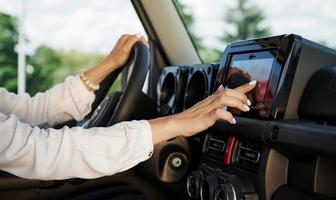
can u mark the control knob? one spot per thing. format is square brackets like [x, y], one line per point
[194, 183]
[225, 192]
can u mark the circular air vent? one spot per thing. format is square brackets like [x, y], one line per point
[196, 89]
[167, 89]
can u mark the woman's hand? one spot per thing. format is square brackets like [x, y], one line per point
[116, 59]
[202, 115]
[122, 50]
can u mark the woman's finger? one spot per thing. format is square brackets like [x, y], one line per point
[224, 115]
[123, 39]
[246, 87]
[144, 41]
[210, 98]
[237, 94]
[220, 89]
[223, 100]
[131, 41]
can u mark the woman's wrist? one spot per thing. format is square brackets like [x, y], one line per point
[109, 65]
[165, 128]
[99, 72]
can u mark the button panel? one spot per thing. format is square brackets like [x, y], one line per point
[215, 147]
[248, 155]
[216, 144]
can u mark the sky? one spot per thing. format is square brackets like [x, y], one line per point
[85, 25]
[95, 25]
[313, 19]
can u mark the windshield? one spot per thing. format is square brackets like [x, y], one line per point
[60, 38]
[213, 24]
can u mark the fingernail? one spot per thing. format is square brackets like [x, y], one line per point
[248, 102]
[246, 108]
[220, 87]
[253, 82]
[234, 121]
[138, 35]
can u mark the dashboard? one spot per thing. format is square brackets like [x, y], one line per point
[274, 148]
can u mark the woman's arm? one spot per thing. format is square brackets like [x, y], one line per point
[34, 153]
[202, 115]
[71, 99]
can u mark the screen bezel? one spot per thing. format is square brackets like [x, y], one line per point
[273, 76]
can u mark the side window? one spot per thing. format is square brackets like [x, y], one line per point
[61, 38]
[213, 24]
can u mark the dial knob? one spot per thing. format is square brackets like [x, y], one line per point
[194, 182]
[225, 192]
[209, 186]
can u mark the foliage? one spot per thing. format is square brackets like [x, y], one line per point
[45, 67]
[188, 20]
[8, 56]
[73, 62]
[246, 20]
[44, 63]
[207, 54]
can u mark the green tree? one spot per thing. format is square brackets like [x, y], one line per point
[188, 20]
[246, 20]
[48, 67]
[207, 54]
[8, 56]
[41, 68]
[45, 67]
[73, 62]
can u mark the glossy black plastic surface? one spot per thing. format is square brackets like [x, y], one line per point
[318, 100]
[278, 48]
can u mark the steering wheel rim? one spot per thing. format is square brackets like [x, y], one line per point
[138, 63]
[134, 85]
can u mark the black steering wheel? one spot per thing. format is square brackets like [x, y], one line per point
[109, 110]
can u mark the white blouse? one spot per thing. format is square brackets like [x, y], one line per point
[29, 151]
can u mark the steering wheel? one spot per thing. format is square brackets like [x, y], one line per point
[109, 110]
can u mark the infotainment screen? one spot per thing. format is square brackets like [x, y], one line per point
[251, 66]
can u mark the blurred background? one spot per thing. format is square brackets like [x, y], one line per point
[64, 37]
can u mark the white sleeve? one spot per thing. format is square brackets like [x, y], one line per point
[68, 100]
[34, 153]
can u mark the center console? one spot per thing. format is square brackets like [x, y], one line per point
[242, 161]
[219, 176]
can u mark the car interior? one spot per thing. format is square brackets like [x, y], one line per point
[283, 148]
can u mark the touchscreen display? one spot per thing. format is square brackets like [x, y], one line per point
[244, 69]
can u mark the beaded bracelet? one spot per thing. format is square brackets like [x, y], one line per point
[88, 83]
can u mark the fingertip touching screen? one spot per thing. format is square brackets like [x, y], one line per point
[247, 67]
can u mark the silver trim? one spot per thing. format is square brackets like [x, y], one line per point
[234, 191]
[201, 192]
[221, 186]
[188, 183]
[258, 153]
[220, 141]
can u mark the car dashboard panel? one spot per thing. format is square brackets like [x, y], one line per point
[260, 156]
